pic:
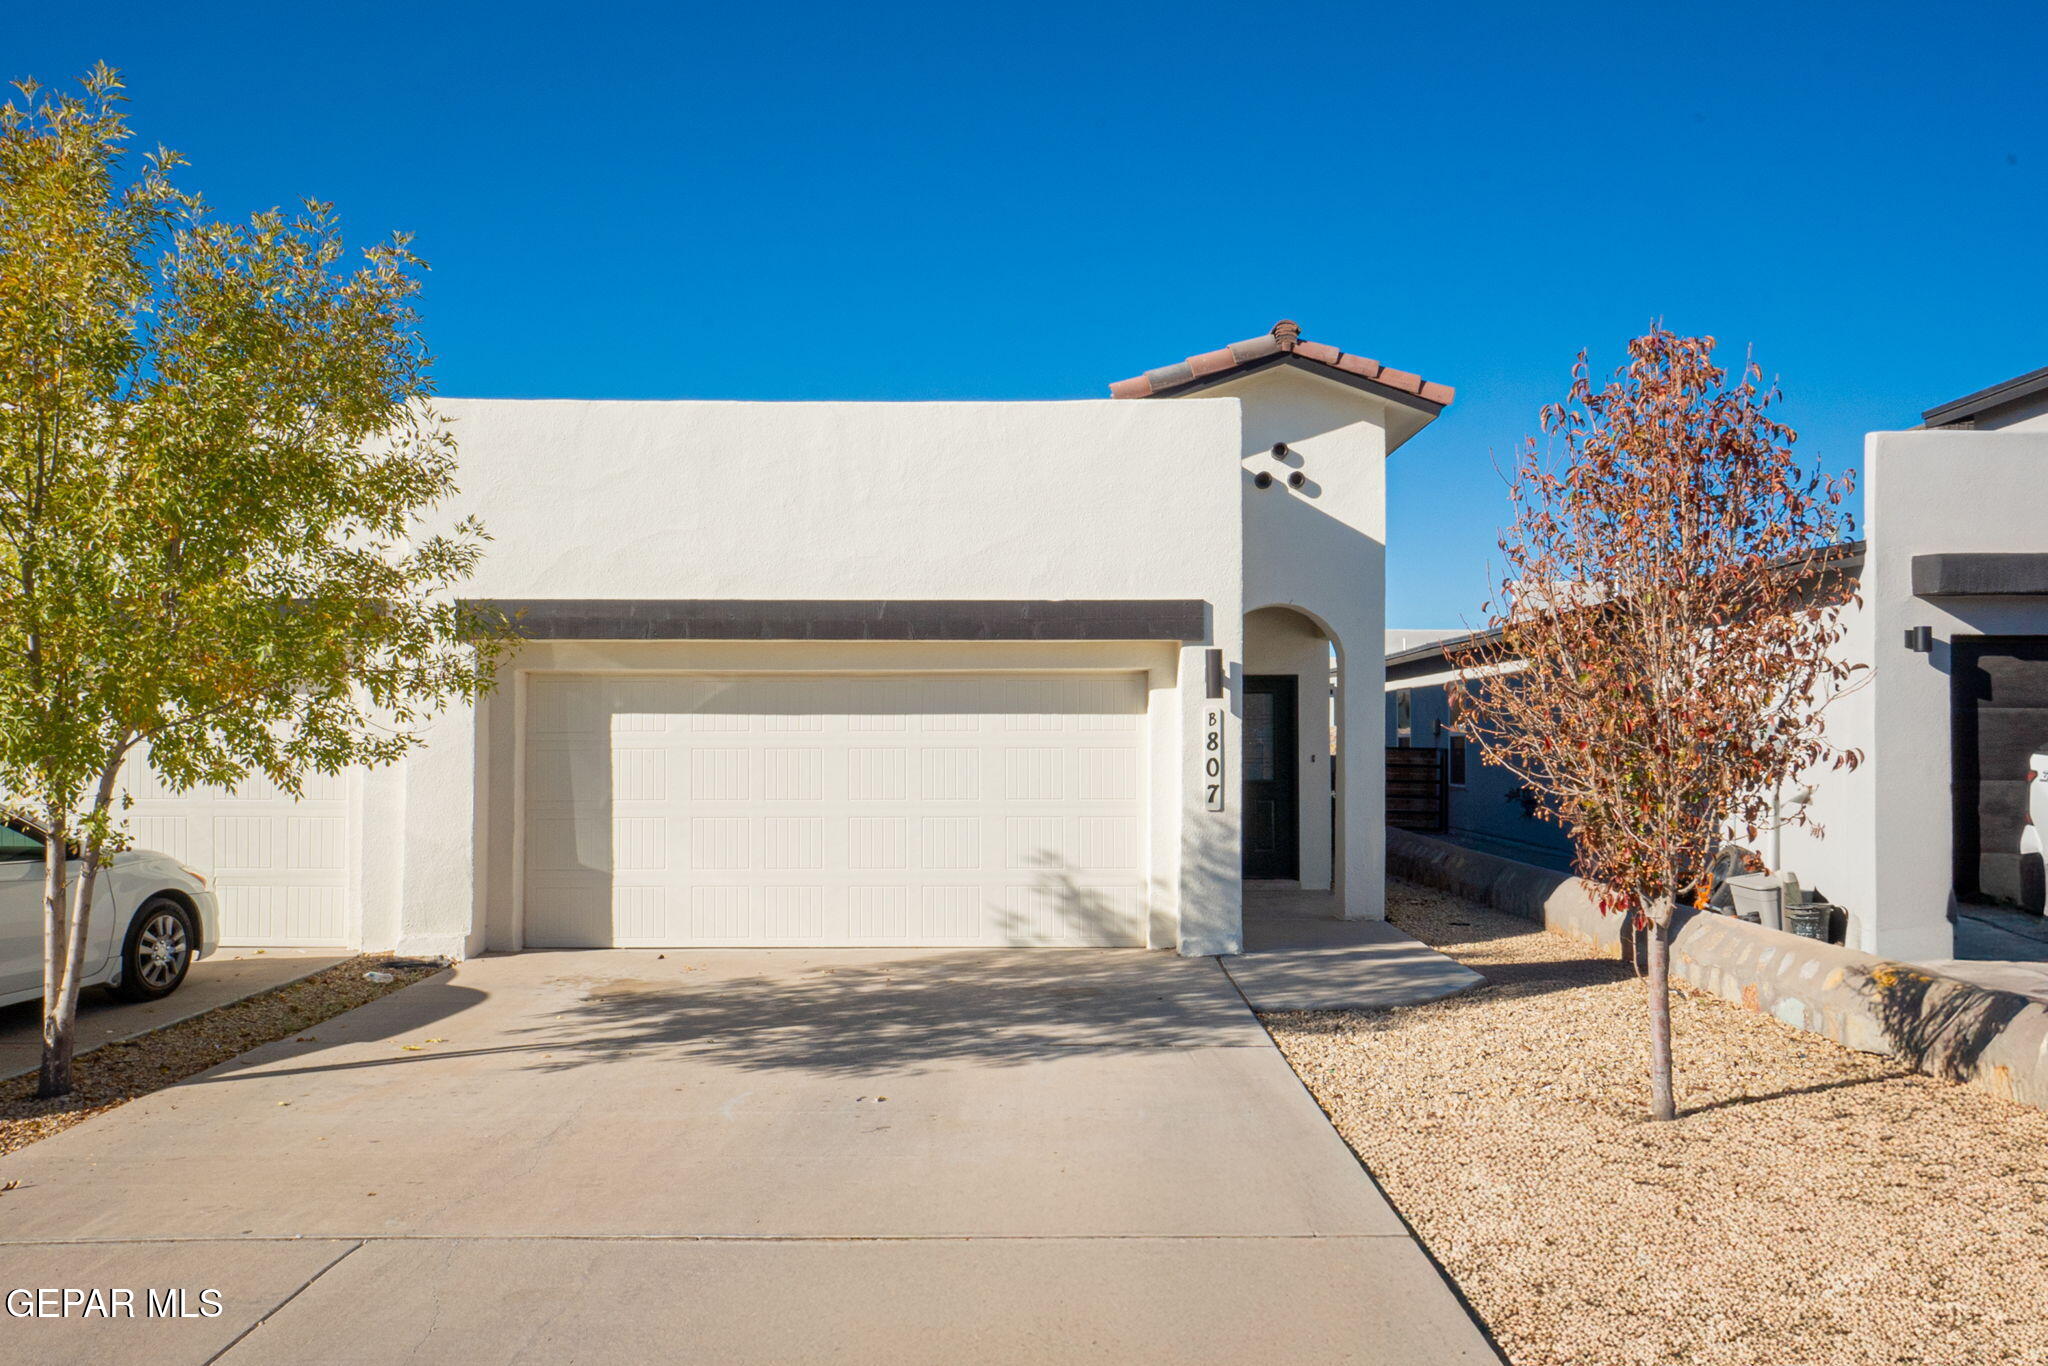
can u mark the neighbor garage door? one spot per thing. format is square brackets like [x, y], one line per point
[816, 809]
[278, 863]
[1998, 689]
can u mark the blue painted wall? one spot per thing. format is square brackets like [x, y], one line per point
[1486, 811]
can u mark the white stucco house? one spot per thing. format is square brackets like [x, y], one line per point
[1954, 624]
[1017, 673]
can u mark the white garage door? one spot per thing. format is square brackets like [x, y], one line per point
[826, 809]
[278, 865]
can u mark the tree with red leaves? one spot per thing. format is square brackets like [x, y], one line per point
[1666, 633]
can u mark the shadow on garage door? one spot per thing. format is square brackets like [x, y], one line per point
[1998, 717]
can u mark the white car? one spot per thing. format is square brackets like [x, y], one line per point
[2033, 884]
[151, 916]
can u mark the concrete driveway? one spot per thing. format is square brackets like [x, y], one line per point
[739, 1156]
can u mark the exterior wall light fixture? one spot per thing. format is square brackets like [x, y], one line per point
[1920, 639]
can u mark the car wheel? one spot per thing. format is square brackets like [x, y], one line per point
[158, 951]
[2033, 883]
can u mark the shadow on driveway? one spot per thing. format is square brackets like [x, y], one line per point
[831, 1013]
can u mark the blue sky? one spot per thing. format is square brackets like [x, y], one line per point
[869, 201]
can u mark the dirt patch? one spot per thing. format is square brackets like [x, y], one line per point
[116, 1073]
[1811, 1205]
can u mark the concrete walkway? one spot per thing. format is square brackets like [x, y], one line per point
[1298, 956]
[1999, 947]
[741, 1156]
[226, 977]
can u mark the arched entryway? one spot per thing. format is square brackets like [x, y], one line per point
[1291, 747]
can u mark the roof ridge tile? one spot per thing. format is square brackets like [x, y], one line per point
[1284, 338]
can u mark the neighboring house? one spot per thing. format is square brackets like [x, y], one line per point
[1400, 641]
[1953, 619]
[880, 673]
[1487, 808]
[1957, 518]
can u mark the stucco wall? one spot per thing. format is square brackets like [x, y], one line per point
[1833, 855]
[1928, 492]
[1322, 551]
[1887, 855]
[1081, 500]
[850, 500]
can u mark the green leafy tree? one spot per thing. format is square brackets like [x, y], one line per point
[1665, 640]
[218, 466]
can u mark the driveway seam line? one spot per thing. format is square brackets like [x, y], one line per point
[275, 1309]
[360, 1240]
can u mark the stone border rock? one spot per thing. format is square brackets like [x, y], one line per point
[1943, 1026]
[1556, 901]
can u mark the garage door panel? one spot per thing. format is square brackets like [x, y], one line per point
[838, 810]
[951, 774]
[569, 912]
[1058, 910]
[1032, 841]
[568, 844]
[877, 775]
[278, 863]
[793, 775]
[165, 834]
[1106, 775]
[273, 913]
[793, 912]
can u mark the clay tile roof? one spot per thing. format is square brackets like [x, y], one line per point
[1283, 341]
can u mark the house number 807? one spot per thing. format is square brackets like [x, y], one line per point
[1212, 755]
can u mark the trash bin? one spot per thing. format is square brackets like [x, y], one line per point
[1810, 919]
[1760, 897]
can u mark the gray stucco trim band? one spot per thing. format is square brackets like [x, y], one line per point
[1181, 619]
[1980, 575]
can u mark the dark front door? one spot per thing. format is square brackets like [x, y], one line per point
[1998, 719]
[1272, 794]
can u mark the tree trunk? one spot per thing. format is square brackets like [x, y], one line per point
[54, 1077]
[60, 1005]
[1658, 980]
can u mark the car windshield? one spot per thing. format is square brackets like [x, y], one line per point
[18, 845]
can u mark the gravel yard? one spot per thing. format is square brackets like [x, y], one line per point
[1811, 1205]
[119, 1072]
